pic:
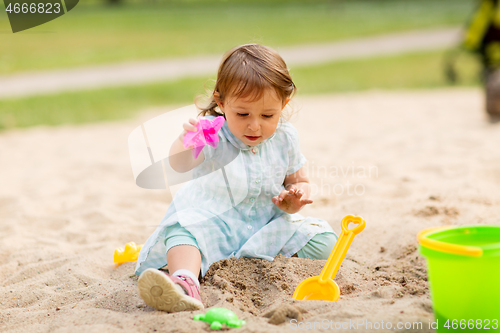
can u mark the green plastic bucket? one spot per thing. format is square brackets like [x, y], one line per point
[463, 268]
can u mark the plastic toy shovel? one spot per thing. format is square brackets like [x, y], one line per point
[322, 287]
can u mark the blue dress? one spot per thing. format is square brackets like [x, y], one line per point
[226, 205]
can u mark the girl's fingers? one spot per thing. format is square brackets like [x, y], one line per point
[285, 193]
[282, 195]
[189, 127]
[292, 195]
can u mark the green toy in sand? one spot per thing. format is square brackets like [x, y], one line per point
[218, 316]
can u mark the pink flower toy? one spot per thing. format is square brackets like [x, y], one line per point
[206, 132]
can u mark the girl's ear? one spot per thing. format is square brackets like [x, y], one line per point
[286, 101]
[217, 99]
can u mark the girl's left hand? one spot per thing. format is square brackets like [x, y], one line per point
[291, 201]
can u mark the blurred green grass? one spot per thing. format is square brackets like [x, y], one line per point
[422, 70]
[409, 71]
[96, 33]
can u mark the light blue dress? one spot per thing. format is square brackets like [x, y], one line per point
[227, 205]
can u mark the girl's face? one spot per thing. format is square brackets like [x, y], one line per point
[253, 120]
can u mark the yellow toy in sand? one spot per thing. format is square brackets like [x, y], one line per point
[322, 287]
[130, 253]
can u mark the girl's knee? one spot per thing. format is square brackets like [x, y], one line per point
[178, 235]
[319, 247]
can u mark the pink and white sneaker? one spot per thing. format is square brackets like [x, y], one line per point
[161, 291]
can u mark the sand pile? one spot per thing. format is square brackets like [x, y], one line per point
[403, 161]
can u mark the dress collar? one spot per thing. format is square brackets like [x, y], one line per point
[240, 144]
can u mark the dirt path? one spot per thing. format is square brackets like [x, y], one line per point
[133, 73]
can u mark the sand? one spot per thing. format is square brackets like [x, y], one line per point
[403, 161]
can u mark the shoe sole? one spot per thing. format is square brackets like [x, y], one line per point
[159, 292]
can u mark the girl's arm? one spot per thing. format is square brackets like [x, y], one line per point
[181, 159]
[300, 181]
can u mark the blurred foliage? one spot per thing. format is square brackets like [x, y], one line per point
[95, 105]
[423, 70]
[410, 71]
[98, 33]
[95, 33]
[257, 2]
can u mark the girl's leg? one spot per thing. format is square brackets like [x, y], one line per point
[184, 257]
[182, 252]
[180, 290]
[319, 247]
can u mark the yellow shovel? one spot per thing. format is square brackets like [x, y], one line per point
[322, 287]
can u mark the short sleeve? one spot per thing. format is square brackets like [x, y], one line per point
[296, 159]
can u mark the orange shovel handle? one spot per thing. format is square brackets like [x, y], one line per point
[341, 246]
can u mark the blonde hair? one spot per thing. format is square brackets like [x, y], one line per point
[248, 70]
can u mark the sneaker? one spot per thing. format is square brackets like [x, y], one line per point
[162, 292]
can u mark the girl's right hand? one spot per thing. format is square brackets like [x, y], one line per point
[188, 127]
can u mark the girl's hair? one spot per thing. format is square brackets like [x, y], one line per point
[248, 70]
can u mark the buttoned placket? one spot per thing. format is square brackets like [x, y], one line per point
[255, 183]
[255, 178]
